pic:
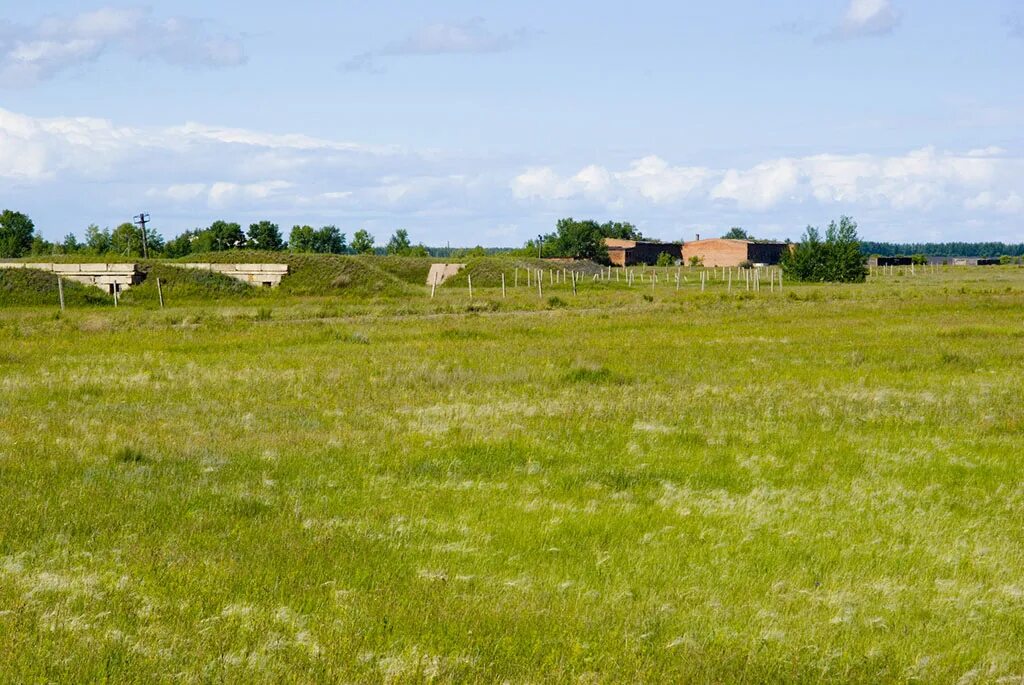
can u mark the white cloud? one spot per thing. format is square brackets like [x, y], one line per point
[921, 179]
[221, 194]
[654, 179]
[651, 178]
[37, 149]
[867, 18]
[1006, 203]
[761, 187]
[186, 173]
[467, 37]
[29, 54]
[192, 168]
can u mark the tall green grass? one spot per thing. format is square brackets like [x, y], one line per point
[31, 287]
[703, 487]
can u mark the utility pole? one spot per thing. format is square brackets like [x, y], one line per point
[540, 244]
[141, 220]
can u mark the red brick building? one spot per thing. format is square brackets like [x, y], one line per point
[726, 252]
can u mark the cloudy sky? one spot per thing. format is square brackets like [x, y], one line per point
[482, 123]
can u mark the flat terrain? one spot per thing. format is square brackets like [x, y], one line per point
[630, 484]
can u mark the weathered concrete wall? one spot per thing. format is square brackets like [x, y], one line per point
[104, 276]
[439, 273]
[268, 275]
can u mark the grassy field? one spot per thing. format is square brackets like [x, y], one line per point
[629, 484]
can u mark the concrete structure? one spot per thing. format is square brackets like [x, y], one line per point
[439, 273]
[628, 252]
[267, 275]
[974, 261]
[104, 276]
[726, 252]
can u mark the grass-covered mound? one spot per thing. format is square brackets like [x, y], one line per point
[180, 284]
[326, 274]
[34, 287]
[342, 274]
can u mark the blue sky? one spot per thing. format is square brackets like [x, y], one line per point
[477, 123]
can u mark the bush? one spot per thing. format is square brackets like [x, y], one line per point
[665, 259]
[836, 259]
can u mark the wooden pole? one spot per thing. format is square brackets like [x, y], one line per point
[573, 282]
[60, 291]
[503, 285]
[540, 290]
[160, 292]
[470, 279]
[433, 285]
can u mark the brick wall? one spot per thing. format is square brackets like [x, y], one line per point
[716, 251]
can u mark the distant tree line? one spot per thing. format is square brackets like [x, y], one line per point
[19, 239]
[958, 249]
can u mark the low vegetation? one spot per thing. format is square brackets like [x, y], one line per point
[26, 287]
[628, 484]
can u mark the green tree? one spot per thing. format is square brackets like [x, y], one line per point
[70, 245]
[265, 235]
[126, 240]
[41, 247]
[622, 230]
[16, 233]
[836, 258]
[328, 240]
[577, 240]
[97, 240]
[181, 245]
[399, 243]
[362, 242]
[737, 233]
[301, 239]
[226, 235]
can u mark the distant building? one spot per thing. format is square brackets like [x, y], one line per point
[727, 252]
[890, 261]
[628, 252]
[974, 261]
